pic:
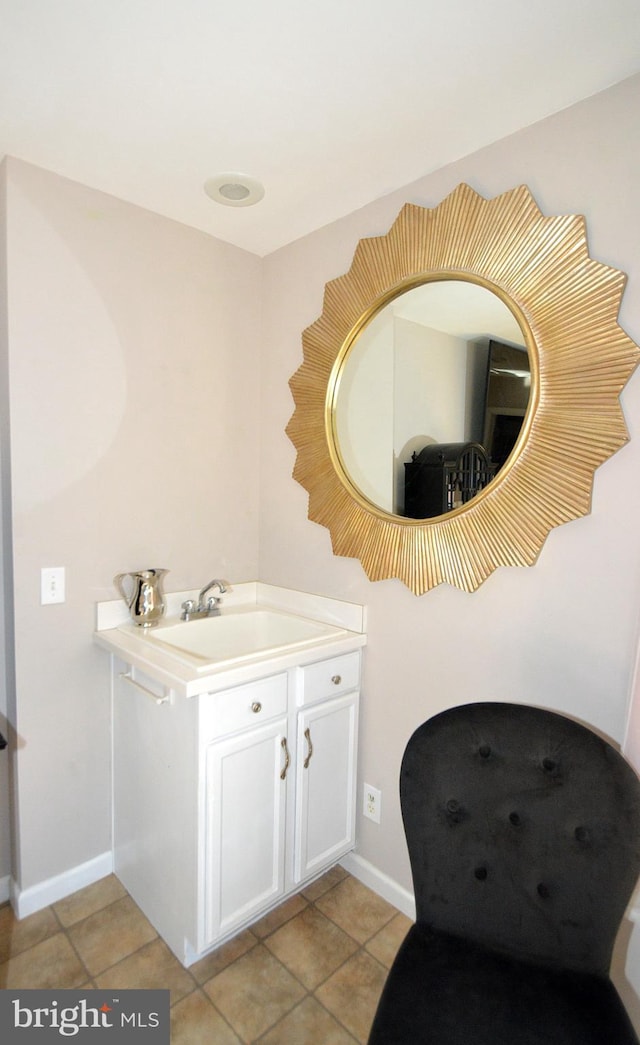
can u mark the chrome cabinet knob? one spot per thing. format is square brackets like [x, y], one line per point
[336, 679]
[256, 707]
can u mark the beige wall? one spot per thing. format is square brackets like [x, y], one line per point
[561, 634]
[5, 647]
[134, 387]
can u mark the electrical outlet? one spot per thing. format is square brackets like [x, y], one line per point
[372, 803]
[51, 585]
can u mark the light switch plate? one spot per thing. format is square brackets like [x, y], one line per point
[51, 585]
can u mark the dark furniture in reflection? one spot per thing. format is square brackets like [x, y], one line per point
[507, 398]
[443, 476]
[523, 830]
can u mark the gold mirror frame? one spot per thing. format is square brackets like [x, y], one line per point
[567, 305]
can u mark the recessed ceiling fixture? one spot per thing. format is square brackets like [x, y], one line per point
[234, 189]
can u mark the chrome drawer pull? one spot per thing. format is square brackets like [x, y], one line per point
[287, 759]
[336, 679]
[307, 736]
[256, 707]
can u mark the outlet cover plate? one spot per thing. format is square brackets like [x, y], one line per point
[372, 800]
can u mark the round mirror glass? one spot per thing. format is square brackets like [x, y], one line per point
[430, 398]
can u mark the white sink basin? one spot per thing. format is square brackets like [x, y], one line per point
[239, 636]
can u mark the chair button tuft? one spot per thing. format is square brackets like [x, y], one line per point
[543, 891]
[515, 819]
[481, 873]
[581, 834]
[484, 751]
[549, 765]
[455, 812]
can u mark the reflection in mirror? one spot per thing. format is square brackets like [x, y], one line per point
[430, 398]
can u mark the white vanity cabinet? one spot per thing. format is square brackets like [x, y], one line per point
[227, 802]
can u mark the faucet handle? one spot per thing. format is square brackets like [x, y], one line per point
[187, 607]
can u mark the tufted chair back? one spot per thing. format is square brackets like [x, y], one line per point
[523, 829]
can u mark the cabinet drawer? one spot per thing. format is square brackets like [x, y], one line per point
[242, 707]
[329, 678]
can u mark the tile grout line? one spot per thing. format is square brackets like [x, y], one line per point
[311, 993]
[216, 1010]
[72, 945]
[81, 921]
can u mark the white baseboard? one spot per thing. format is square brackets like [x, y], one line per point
[27, 901]
[381, 884]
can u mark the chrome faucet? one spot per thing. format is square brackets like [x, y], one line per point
[210, 608]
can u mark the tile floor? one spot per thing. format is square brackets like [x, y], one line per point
[309, 973]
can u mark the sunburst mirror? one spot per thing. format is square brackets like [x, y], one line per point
[436, 446]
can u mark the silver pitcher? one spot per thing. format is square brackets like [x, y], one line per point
[144, 596]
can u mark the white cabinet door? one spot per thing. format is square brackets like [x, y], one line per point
[326, 783]
[245, 826]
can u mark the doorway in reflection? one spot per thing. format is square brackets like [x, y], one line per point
[442, 366]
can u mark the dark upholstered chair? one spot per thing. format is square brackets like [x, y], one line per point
[523, 830]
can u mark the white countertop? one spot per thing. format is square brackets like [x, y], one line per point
[117, 634]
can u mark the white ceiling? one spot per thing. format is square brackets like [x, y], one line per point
[329, 103]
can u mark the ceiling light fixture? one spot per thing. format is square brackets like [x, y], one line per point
[234, 189]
